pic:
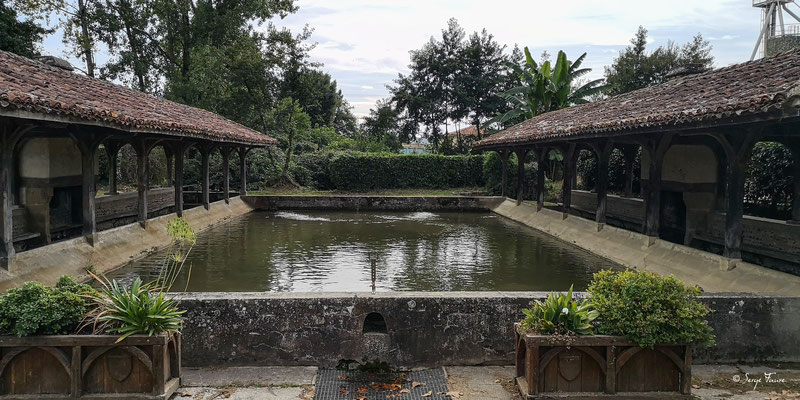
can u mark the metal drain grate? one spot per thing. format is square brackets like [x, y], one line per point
[333, 384]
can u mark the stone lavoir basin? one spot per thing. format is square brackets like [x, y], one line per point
[331, 251]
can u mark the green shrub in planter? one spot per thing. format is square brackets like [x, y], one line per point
[649, 309]
[559, 314]
[36, 309]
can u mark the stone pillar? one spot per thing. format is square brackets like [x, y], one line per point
[569, 171]
[540, 170]
[205, 153]
[180, 152]
[112, 151]
[226, 174]
[629, 153]
[142, 149]
[521, 153]
[242, 170]
[603, 152]
[504, 186]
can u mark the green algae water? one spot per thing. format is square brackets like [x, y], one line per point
[308, 251]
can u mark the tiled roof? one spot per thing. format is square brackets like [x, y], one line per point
[739, 90]
[468, 131]
[28, 85]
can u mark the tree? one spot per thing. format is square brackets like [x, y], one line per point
[634, 68]
[78, 18]
[546, 88]
[383, 125]
[481, 74]
[19, 37]
[450, 81]
[287, 122]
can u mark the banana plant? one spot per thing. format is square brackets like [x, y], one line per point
[545, 88]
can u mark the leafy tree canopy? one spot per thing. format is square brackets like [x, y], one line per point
[635, 68]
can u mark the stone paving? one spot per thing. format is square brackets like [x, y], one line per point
[710, 382]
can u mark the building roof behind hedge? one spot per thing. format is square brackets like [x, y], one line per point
[41, 91]
[739, 90]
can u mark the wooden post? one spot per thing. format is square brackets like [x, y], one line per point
[76, 381]
[656, 149]
[170, 155]
[532, 369]
[242, 170]
[569, 170]
[142, 148]
[226, 174]
[521, 153]
[180, 152]
[603, 151]
[112, 151]
[795, 148]
[205, 153]
[9, 141]
[737, 147]
[87, 143]
[540, 171]
[734, 211]
[629, 153]
[504, 186]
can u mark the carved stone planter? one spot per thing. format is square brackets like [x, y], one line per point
[89, 367]
[588, 367]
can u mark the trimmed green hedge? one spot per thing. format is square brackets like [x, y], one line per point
[367, 171]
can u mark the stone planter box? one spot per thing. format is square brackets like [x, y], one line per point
[89, 367]
[588, 367]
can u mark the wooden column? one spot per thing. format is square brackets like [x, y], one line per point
[629, 153]
[112, 151]
[737, 145]
[521, 153]
[656, 149]
[170, 155]
[540, 171]
[569, 170]
[243, 170]
[504, 186]
[180, 153]
[795, 148]
[603, 151]
[88, 143]
[205, 153]
[142, 148]
[8, 142]
[226, 173]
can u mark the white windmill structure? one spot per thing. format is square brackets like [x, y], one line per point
[776, 36]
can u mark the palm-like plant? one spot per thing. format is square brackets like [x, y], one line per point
[138, 310]
[546, 88]
[560, 314]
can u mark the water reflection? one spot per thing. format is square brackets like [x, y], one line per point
[331, 251]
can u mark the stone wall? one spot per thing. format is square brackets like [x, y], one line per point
[367, 203]
[430, 329]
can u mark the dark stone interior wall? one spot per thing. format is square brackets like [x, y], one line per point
[431, 329]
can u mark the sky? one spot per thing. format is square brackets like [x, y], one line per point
[364, 44]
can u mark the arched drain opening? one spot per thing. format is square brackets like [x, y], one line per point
[374, 323]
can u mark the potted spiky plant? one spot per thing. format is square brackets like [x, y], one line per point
[73, 341]
[631, 337]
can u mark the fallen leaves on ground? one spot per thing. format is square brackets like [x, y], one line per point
[415, 384]
[428, 394]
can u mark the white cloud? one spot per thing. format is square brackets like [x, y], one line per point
[373, 37]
